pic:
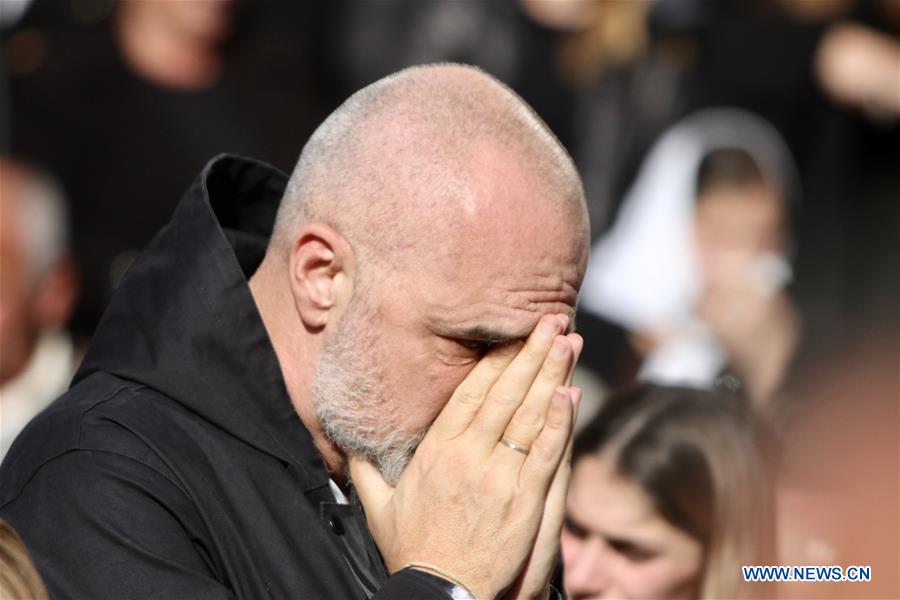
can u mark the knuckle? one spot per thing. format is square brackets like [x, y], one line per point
[534, 352]
[493, 485]
[544, 449]
[505, 398]
[556, 420]
[458, 455]
[467, 397]
[528, 417]
[559, 364]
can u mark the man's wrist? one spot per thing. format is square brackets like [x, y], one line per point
[416, 583]
[459, 590]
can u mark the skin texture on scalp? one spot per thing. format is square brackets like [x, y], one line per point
[400, 155]
[443, 211]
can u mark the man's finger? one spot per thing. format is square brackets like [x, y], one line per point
[548, 449]
[528, 420]
[575, 393]
[555, 506]
[577, 347]
[374, 492]
[512, 386]
[469, 395]
[560, 485]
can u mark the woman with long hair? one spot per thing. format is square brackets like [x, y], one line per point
[669, 497]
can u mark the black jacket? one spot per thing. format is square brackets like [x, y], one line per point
[176, 465]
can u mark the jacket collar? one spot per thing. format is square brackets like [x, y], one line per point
[184, 322]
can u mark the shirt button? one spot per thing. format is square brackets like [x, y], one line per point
[335, 525]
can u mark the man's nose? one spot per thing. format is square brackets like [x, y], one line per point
[585, 572]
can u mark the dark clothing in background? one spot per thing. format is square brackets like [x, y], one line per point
[176, 465]
[846, 228]
[611, 355]
[124, 148]
[370, 40]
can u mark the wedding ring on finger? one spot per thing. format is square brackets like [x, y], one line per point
[514, 446]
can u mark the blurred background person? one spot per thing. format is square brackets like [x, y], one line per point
[38, 287]
[690, 279]
[669, 496]
[126, 101]
[826, 74]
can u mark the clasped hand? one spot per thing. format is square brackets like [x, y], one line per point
[483, 498]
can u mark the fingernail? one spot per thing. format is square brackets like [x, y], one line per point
[549, 326]
[577, 342]
[558, 350]
[564, 321]
[576, 396]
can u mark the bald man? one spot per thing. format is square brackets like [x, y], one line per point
[354, 383]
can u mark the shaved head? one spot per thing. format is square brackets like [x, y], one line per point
[397, 163]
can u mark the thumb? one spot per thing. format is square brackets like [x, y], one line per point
[374, 492]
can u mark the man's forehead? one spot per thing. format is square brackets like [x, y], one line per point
[506, 300]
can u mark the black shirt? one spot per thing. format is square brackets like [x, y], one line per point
[176, 465]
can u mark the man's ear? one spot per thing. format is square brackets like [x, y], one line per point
[322, 267]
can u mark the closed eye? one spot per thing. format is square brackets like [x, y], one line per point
[631, 551]
[575, 529]
[480, 346]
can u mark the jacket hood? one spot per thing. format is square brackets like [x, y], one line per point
[183, 321]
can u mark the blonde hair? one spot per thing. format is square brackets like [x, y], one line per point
[18, 577]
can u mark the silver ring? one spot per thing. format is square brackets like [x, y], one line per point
[514, 446]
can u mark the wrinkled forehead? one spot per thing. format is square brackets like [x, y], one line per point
[500, 243]
[503, 265]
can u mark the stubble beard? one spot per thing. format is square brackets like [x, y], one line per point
[350, 401]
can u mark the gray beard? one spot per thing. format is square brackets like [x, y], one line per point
[348, 396]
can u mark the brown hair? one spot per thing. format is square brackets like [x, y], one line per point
[18, 577]
[732, 167]
[699, 457]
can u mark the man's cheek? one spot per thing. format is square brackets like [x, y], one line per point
[442, 383]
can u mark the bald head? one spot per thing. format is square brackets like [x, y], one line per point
[398, 164]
